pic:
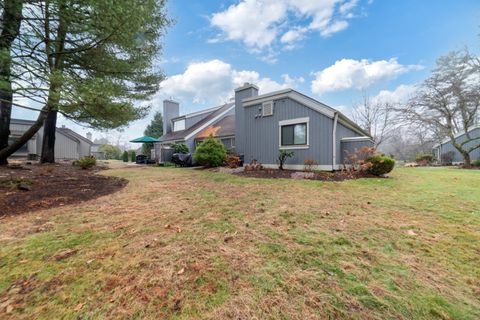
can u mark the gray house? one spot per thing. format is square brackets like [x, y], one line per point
[446, 146]
[69, 145]
[259, 126]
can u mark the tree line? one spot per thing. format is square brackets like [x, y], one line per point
[90, 60]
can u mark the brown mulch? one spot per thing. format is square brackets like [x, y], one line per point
[322, 176]
[51, 185]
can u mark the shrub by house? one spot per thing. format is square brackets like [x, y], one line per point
[211, 153]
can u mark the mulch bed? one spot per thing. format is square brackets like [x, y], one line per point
[287, 174]
[29, 187]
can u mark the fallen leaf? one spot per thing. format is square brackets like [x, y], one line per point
[181, 271]
[79, 307]
[65, 254]
[411, 233]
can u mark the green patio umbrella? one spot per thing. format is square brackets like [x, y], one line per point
[144, 139]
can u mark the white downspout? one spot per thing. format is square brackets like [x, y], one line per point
[334, 141]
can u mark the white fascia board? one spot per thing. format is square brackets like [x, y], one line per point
[364, 138]
[196, 131]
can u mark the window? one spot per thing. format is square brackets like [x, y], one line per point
[179, 125]
[294, 133]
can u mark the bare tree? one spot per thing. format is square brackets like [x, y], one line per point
[407, 141]
[375, 117]
[448, 101]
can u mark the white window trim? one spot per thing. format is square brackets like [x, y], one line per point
[291, 122]
[177, 121]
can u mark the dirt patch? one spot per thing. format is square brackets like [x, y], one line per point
[28, 187]
[292, 174]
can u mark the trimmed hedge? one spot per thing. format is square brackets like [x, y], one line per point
[379, 165]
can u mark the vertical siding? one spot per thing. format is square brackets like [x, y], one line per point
[65, 148]
[474, 155]
[84, 149]
[240, 117]
[262, 134]
[343, 132]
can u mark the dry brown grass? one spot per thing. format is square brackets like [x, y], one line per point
[180, 243]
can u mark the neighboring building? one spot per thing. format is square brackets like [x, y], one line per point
[69, 145]
[95, 149]
[259, 126]
[446, 146]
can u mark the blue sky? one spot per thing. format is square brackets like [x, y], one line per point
[331, 50]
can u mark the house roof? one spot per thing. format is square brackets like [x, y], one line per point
[65, 131]
[21, 121]
[199, 126]
[72, 134]
[461, 133]
[224, 127]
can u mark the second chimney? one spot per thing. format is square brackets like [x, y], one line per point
[171, 109]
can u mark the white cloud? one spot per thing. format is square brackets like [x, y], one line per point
[334, 27]
[357, 74]
[212, 83]
[265, 23]
[401, 94]
[251, 21]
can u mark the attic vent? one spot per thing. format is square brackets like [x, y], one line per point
[267, 109]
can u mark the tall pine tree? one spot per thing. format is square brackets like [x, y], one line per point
[90, 60]
[154, 129]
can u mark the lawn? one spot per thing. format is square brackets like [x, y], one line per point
[190, 244]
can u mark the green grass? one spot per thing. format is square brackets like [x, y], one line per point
[189, 244]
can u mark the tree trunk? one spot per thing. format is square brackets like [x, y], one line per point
[11, 20]
[27, 135]
[467, 162]
[48, 145]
